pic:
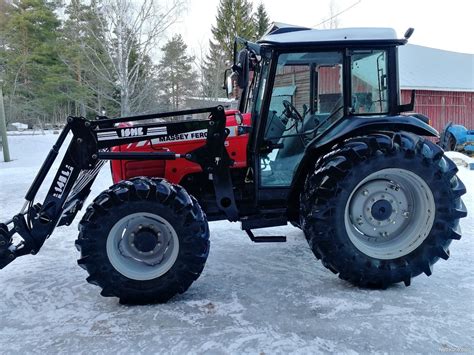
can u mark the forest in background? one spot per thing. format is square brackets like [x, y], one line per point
[96, 57]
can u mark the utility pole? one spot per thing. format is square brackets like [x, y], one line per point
[3, 126]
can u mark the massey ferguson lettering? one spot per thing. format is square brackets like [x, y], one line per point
[62, 180]
[183, 136]
[132, 132]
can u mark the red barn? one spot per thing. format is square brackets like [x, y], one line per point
[443, 81]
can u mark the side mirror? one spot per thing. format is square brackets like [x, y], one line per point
[410, 106]
[241, 68]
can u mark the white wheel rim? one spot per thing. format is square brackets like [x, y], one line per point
[136, 264]
[389, 214]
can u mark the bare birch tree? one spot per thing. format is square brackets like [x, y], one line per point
[128, 33]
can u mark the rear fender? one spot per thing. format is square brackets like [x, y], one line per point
[350, 127]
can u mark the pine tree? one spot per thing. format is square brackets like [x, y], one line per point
[234, 18]
[176, 76]
[262, 22]
[35, 76]
[92, 94]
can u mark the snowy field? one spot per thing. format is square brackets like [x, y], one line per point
[251, 298]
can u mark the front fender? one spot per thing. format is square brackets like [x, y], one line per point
[349, 127]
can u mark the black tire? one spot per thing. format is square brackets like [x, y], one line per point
[450, 142]
[144, 195]
[328, 188]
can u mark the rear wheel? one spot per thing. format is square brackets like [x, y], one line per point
[371, 213]
[450, 142]
[143, 241]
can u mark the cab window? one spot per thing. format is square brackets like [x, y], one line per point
[369, 82]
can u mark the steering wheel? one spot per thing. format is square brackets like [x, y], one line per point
[291, 111]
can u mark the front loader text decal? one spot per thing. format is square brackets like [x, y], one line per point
[132, 132]
[62, 180]
[190, 136]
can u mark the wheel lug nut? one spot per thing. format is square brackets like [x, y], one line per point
[406, 214]
[365, 192]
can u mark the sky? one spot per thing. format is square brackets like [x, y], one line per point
[447, 25]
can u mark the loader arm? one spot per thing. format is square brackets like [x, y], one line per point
[89, 149]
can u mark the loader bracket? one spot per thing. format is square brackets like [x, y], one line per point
[84, 151]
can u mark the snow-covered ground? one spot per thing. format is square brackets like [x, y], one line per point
[251, 298]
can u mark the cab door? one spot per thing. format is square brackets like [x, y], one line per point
[307, 89]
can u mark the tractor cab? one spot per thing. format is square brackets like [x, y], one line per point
[310, 86]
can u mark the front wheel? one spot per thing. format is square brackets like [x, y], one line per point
[382, 209]
[143, 241]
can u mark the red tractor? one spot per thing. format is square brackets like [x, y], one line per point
[319, 141]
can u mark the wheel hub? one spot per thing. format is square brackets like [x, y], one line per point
[377, 208]
[145, 241]
[142, 246]
[381, 210]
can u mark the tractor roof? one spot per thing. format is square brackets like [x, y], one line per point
[288, 35]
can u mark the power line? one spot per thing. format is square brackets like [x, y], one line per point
[339, 13]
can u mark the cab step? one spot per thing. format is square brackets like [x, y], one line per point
[266, 238]
[265, 219]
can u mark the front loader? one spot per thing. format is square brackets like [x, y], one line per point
[320, 140]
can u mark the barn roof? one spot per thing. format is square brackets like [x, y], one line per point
[426, 68]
